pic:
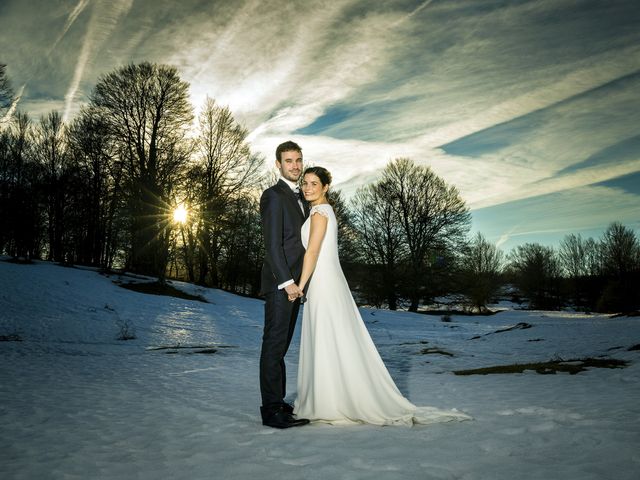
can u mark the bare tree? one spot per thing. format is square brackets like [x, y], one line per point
[21, 221]
[620, 252]
[224, 169]
[536, 271]
[52, 153]
[242, 249]
[581, 263]
[572, 255]
[433, 217]
[381, 244]
[482, 264]
[6, 93]
[593, 257]
[98, 194]
[146, 111]
[347, 235]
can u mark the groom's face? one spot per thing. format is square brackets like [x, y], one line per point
[290, 165]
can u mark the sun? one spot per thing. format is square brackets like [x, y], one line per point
[180, 214]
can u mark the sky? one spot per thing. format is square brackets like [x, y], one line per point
[530, 108]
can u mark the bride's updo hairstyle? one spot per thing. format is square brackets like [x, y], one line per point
[324, 176]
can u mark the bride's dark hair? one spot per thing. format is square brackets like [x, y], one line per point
[324, 176]
[320, 172]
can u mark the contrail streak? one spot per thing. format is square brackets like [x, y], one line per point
[419, 8]
[104, 18]
[70, 20]
[5, 120]
[87, 47]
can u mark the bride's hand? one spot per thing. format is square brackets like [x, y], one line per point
[293, 296]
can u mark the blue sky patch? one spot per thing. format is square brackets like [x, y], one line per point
[629, 183]
[330, 122]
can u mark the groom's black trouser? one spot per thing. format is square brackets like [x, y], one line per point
[280, 317]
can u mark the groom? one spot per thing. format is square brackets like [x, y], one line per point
[283, 213]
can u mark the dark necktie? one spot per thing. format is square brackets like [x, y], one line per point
[300, 196]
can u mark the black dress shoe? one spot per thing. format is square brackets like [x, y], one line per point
[267, 411]
[279, 418]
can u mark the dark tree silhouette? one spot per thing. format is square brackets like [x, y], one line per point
[536, 271]
[6, 92]
[481, 266]
[242, 251]
[347, 235]
[382, 249]
[98, 191]
[581, 261]
[51, 149]
[223, 170]
[433, 218]
[620, 253]
[146, 111]
[21, 181]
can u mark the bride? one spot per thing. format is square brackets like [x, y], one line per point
[341, 377]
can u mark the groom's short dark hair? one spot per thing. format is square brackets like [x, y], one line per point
[287, 146]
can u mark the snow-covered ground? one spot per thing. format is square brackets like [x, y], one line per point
[76, 403]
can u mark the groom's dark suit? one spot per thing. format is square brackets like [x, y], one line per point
[282, 219]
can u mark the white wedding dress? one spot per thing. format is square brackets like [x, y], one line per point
[341, 377]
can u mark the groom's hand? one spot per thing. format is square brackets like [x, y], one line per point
[293, 291]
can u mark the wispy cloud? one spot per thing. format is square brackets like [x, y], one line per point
[506, 236]
[282, 75]
[588, 74]
[104, 18]
[448, 105]
[73, 15]
[4, 121]
[509, 101]
[415, 11]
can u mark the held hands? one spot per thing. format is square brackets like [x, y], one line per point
[294, 292]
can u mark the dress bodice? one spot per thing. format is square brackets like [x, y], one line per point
[329, 248]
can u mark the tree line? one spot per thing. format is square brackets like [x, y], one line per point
[101, 190]
[413, 248]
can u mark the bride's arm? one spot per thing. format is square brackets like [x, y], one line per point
[316, 235]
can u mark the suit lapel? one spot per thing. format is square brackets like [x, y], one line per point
[293, 198]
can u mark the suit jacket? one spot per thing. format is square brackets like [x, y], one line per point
[282, 220]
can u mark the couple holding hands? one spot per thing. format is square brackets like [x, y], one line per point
[341, 377]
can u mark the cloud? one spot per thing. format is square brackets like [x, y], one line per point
[259, 59]
[104, 18]
[4, 121]
[622, 151]
[333, 59]
[349, 162]
[73, 15]
[508, 101]
[415, 11]
[466, 77]
[589, 74]
[561, 147]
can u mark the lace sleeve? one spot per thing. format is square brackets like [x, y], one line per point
[322, 209]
